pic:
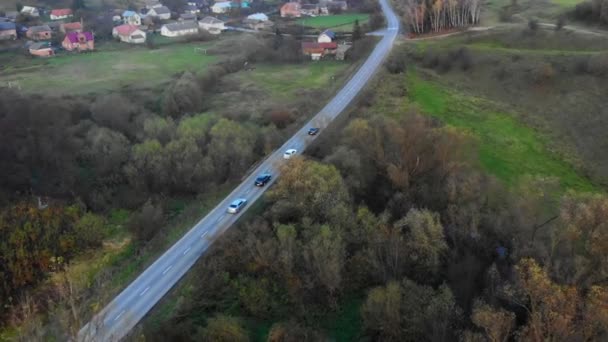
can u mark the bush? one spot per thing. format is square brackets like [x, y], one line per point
[598, 64]
[430, 59]
[560, 23]
[542, 73]
[533, 25]
[147, 221]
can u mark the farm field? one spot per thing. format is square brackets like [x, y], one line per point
[104, 71]
[338, 22]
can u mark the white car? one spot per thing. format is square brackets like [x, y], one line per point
[289, 153]
[236, 205]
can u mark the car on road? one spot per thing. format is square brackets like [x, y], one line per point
[313, 131]
[236, 205]
[289, 153]
[263, 179]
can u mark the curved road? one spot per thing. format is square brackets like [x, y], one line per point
[133, 303]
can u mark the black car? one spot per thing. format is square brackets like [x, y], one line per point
[313, 131]
[263, 179]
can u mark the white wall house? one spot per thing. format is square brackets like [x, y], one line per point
[131, 18]
[258, 17]
[129, 34]
[212, 25]
[179, 29]
[31, 11]
[326, 36]
[161, 12]
[221, 7]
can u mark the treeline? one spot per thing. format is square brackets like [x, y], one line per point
[395, 219]
[594, 11]
[422, 16]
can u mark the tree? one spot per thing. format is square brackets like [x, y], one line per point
[147, 221]
[326, 254]
[224, 328]
[19, 6]
[293, 332]
[382, 310]
[115, 112]
[78, 5]
[183, 96]
[497, 324]
[357, 34]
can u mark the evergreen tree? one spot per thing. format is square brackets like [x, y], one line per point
[357, 34]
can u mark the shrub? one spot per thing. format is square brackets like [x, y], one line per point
[533, 25]
[542, 73]
[560, 23]
[598, 64]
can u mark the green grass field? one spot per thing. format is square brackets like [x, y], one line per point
[100, 71]
[339, 22]
[287, 81]
[507, 149]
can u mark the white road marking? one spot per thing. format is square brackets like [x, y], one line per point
[219, 219]
[167, 269]
[187, 250]
[144, 291]
[248, 191]
[203, 235]
[120, 314]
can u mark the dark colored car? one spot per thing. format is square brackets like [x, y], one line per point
[313, 131]
[263, 179]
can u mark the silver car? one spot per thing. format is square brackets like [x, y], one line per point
[236, 205]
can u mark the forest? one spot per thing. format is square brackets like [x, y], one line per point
[423, 16]
[389, 223]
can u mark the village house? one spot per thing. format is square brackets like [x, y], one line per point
[290, 10]
[58, 14]
[187, 17]
[258, 21]
[197, 3]
[161, 12]
[79, 41]
[8, 31]
[31, 11]
[326, 36]
[221, 7]
[310, 10]
[212, 25]
[318, 50]
[71, 27]
[179, 29]
[11, 15]
[341, 51]
[41, 49]
[129, 34]
[150, 4]
[42, 32]
[334, 5]
[131, 18]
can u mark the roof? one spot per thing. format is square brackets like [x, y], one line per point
[291, 6]
[331, 34]
[5, 26]
[187, 16]
[41, 28]
[224, 4]
[73, 36]
[315, 45]
[161, 10]
[186, 25]
[191, 8]
[211, 20]
[29, 9]
[61, 12]
[73, 26]
[126, 30]
[258, 16]
[310, 6]
[40, 45]
[128, 13]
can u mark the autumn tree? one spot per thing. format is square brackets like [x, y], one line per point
[498, 324]
[224, 328]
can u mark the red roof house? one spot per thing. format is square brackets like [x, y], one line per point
[63, 13]
[318, 50]
[79, 41]
[71, 27]
[291, 9]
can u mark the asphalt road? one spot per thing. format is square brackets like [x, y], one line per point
[133, 303]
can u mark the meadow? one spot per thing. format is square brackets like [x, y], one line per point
[338, 22]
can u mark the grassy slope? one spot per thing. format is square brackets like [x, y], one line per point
[338, 22]
[286, 81]
[507, 148]
[109, 70]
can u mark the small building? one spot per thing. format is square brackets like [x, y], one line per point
[150, 4]
[291, 10]
[179, 29]
[337, 5]
[71, 27]
[341, 51]
[221, 7]
[8, 31]
[11, 15]
[211, 25]
[31, 11]
[191, 9]
[318, 50]
[197, 3]
[187, 17]
[131, 18]
[326, 36]
[41, 49]
[42, 32]
[79, 41]
[258, 25]
[58, 14]
[258, 17]
[129, 34]
[161, 12]
[310, 10]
